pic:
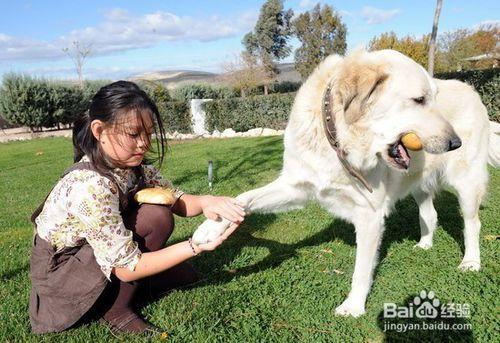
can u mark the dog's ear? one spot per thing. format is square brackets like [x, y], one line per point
[358, 86]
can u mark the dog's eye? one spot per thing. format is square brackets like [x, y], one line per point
[419, 100]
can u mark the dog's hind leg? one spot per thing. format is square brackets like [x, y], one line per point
[470, 194]
[369, 231]
[428, 217]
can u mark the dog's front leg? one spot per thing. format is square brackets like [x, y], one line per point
[280, 195]
[368, 236]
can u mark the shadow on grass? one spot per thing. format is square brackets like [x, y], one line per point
[450, 217]
[278, 252]
[402, 225]
[11, 274]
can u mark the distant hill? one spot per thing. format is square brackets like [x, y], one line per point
[175, 78]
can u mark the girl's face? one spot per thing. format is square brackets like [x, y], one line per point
[126, 142]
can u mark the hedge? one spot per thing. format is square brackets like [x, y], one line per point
[175, 116]
[36, 103]
[25, 101]
[271, 111]
[206, 91]
[487, 84]
[242, 114]
[202, 91]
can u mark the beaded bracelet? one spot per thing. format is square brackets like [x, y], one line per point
[192, 247]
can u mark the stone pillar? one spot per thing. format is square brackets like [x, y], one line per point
[198, 116]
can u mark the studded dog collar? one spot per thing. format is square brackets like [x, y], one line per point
[331, 135]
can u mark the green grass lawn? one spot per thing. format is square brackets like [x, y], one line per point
[280, 277]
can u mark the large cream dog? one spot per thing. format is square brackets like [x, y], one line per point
[375, 98]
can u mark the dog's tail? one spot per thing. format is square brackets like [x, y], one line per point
[494, 149]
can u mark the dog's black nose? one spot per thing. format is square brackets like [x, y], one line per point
[454, 143]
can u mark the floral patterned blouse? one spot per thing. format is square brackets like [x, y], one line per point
[84, 206]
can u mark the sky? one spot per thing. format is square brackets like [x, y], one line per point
[133, 37]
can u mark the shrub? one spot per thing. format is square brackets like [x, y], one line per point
[4, 124]
[243, 114]
[203, 91]
[67, 102]
[37, 103]
[487, 84]
[274, 88]
[26, 101]
[176, 116]
[155, 90]
[285, 87]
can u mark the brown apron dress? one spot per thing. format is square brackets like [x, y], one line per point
[65, 284]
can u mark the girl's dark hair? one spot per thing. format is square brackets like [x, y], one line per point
[111, 104]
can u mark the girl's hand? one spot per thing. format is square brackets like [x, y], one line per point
[214, 244]
[216, 207]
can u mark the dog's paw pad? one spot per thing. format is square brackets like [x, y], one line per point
[470, 266]
[347, 309]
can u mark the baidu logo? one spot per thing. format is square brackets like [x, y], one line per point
[430, 312]
[426, 306]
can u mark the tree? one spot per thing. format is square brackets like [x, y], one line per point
[79, 53]
[66, 102]
[244, 73]
[269, 40]
[408, 45]
[487, 38]
[455, 48]
[453, 51]
[26, 101]
[459, 45]
[432, 42]
[321, 33]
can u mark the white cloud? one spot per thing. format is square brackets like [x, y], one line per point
[122, 30]
[493, 22]
[475, 27]
[306, 3]
[13, 48]
[345, 13]
[373, 15]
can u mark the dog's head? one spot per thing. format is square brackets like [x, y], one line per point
[378, 97]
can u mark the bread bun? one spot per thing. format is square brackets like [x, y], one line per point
[411, 141]
[155, 195]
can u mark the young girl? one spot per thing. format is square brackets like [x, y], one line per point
[96, 251]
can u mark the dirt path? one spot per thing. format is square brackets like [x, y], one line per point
[22, 133]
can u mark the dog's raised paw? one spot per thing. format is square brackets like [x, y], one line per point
[473, 266]
[347, 309]
[209, 231]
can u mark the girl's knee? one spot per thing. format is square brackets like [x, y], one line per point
[156, 215]
[155, 222]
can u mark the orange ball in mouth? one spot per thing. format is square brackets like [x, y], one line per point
[411, 141]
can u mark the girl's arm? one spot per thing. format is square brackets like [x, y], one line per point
[212, 207]
[155, 262]
[188, 205]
